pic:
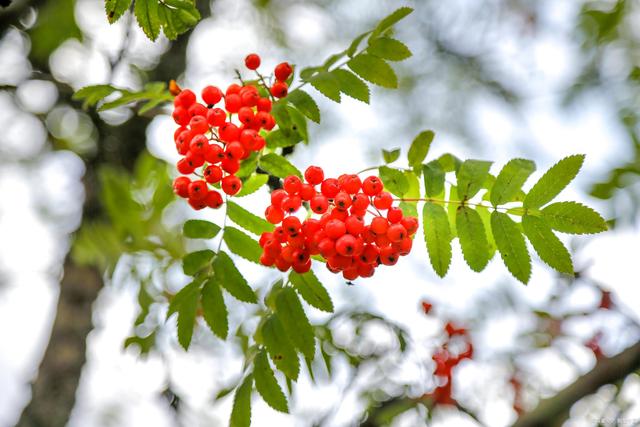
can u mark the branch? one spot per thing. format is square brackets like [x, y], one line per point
[554, 410]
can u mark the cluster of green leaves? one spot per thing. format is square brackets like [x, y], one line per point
[152, 95]
[479, 209]
[173, 17]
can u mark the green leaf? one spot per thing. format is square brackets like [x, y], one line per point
[391, 20]
[195, 261]
[390, 156]
[115, 9]
[295, 322]
[267, 385]
[394, 180]
[473, 239]
[553, 181]
[388, 48]
[146, 12]
[511, 245]
[327, 84]
[353, 47]
[298, 123]
[241, 244]
[485, 215]
[183, 294]
[178, 16]
[93, 94]
[145, 343]
[410, 208]
[200, 229]
[253, 184]
[351, 85]
[437, 236]
[419, 149]
[231, 279]
[247, 220]
[310, 288]
[471, 177]
[276, 165]
[449, 162]
[214, 310]
[247, 168]
[510, 180]
[452, 209]
[547, 245]
[280, 348]
[433, 176]
[305, 103]
[241, 412]
[187, 316]
[374, 70]
[573, 218]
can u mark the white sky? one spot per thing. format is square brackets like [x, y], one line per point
[119, 389]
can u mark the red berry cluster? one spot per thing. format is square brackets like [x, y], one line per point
[339, 234]
[215, 140]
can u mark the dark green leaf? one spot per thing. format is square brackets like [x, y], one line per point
[473, 239]
[145, 344]
[200, 229]
[327, 84]
[214, 310]
[280, 348]
[253, 184]
[390, 156]
[241, 412]
[310, 288]
[547, 245]
[510, 180]
[295, 322]
[388, 48]
[115, 9]
[437, 235]
[351, 85]
[183, 294]
[298, 123]
[553, 181]
[228, 275]
[419, 149]
[195, 261]
[391, 20]
[305, 103]
[511, 245]
[241, 244]
[247, 220]
[573, 218]
[433, 175]
[267, 385]
[449, 162]
[471, 177]
[146, 12]
[374, 70]
[187, 316]
[277, 165]
[394, 180]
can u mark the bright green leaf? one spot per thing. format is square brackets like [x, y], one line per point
[471, 177]
[547, 245]
[327, 84]
[553, 181]
[280, 348]
[351, 85]
[200, 229]
[241, 412]
[419, 149]
[276, 165]
[310, 288]
[228, 275]
[247, 220]
[305, 103]
[241, 244]
[115, 9]
[389, 49]
[267, 385]
[146, 12]
[295, 322]
[510, 180]
[485, 215]
[253, 184]
[433, 176]
[390, 156]
[437, 236]
[573, 218]
[473, 239]
[390, 20]
[93, 94]
[195, 261]
[353, 47]
[374, 70]
[214, 310]
[511, 245]
[394, 180]
[449, 162]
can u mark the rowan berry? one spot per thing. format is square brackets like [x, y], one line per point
[279, 89]
[307, 192]
[230, 166]
[211, 95]
[335, 228]
[342, 201]
[232, 102]
[198, 190]
[234, 150]
[197, 110]
[277, 196]
[233, 89]
[314, 175]
[394, 215]
[231, 184]
[213, 199]
[212, 174]
[229, 132]
[186, 98]
[214, 154]
[181, 186]
[181, 116]
[252, 61]
[396, 232]
[292, 184]
[360, 203]
[273, 214]
[216, 117]
[291, 225]
[291, 203]
[410, 223]
[319, 204]
[388, 256]
[372, 186]
[199, 145]
[264, 105]
[184, 167]
[197, 204]
[250, 99]
[354, 224]
[330, 187]
[283, 71]
[245, 115]
[379, 225]
[345, 245]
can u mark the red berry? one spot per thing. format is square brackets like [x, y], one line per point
[360, 202]
[277, 196]
[233, 89]
[384, 200]
[355, 225]
[314, 175]
[245, 115]
[197, 204]
[351, 184]
[199, 145]
[214, 154]
[396, 232]
[307, 192]
[212, 174]
[411, 224]
[330, 187]
[234, 150]
[195, 160]
[229, 132]
[216, 117]
[264, 105]
[181, 116]
[232, 103]
[379, 225]
[394, 215]
[335, 228]
[198, 190]
[197, 110]
[211, 95]
[184, 167]
[250, 99]
[279, 89]
[290, 203]
[186, 98]
[230, 166]
[213, 199]
[273, 214]
[267, 260]
[302, 268]
[292, 184]
[342, 201]
[372, 185]
[231, 184]
[319, 204]
[283, 71]
[252, 61]
[181, 186]
[345, 245]
[291, 225]
[388, 256]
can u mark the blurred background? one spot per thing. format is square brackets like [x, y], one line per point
[89, 229]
